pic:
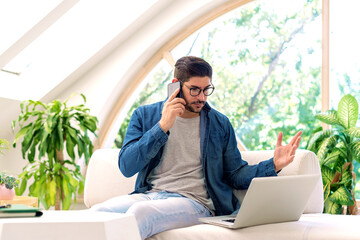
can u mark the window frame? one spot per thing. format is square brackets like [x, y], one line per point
[165, 53]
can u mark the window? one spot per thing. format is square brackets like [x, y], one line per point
[344, 58]
[344, 51]
[152, 90]
[267, 68]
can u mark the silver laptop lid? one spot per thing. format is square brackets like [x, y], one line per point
[275, 199]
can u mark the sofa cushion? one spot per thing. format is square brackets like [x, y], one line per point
[310, 226]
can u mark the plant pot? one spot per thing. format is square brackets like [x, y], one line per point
[6, 194]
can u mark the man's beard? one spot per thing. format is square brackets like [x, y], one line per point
[190, 108]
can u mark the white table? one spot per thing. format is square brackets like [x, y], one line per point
[77, 225]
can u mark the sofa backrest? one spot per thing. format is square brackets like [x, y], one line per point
[104, 179]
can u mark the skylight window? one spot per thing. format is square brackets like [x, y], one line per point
[18, 16]
[82, 31]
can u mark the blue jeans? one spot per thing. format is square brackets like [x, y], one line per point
[156, 211]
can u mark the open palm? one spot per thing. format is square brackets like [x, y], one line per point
[284, 155]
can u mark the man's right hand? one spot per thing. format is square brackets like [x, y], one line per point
[172, 107]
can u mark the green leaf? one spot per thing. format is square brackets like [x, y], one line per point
[353, 132]
[35, 190]
[327, 175]
[81, 186]
[355, 149]
[52, 126]
[83, 96]
[339, 165]
[21, 190]
[324, 147]
[70, 145]
[331, 158]
[48, 124]
[342, 196]
[52, 192]
[66, 203]
[23, 131]
[326, 191]
[31, 154]
[329, 117]
[346, 178]
[60, 135]
[25, 145]
[318, 137]
[57, 167]
[332, 207]
[348, 111]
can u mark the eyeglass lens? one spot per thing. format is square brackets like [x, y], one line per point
[196, 91]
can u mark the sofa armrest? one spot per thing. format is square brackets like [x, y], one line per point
[305, 162]
[104, 179]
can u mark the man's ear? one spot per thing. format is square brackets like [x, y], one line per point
[175, 80]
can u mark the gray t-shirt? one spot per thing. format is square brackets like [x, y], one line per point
[180, 168]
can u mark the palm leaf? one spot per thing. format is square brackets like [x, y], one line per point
[348, 111]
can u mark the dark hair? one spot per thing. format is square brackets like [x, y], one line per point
[190, 66]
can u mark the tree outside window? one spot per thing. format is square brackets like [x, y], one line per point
[267, 69]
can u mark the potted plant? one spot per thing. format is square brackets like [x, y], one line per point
[337, 148]
[46, 131]
[7, 186]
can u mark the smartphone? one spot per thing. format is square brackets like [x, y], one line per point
[172, 88]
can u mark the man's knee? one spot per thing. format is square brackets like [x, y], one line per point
[140, 209]
[101, 207]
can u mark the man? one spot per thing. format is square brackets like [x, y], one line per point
[186, 157]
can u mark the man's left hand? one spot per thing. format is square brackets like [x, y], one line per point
[284, 155]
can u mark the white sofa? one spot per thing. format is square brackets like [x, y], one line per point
[104, 180]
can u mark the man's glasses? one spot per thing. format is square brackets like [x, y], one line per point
[195, 91]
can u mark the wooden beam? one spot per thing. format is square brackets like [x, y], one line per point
[35, 31]
[325, 70]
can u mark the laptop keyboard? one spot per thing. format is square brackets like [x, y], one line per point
[229, 220]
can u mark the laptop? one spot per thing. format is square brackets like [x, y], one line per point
[270, 200]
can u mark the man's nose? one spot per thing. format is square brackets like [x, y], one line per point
[201, 96]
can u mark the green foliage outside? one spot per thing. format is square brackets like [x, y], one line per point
[267, 82]
[257, 76]
[159, 84]
[337, 149]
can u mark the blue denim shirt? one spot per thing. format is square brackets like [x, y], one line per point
[224, 169]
